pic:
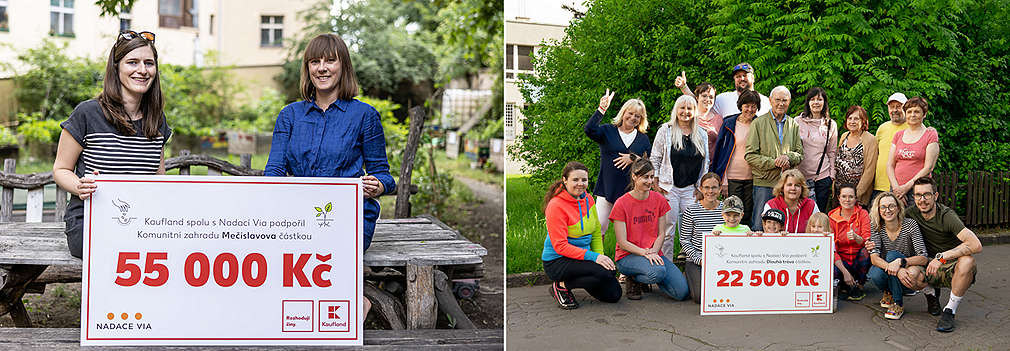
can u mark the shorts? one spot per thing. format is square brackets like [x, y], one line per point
[945, 274]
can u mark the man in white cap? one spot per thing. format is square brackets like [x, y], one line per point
[885, 135]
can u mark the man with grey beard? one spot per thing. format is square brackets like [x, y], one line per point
[885, 135]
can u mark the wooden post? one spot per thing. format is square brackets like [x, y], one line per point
[407, 164]
[184, 170]
[420, 297]
[61, 203]
[245, 160]
[447, 302]
[7, 195]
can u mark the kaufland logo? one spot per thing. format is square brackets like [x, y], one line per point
[331, 312]
[334, 315]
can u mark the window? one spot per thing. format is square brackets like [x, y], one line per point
[125, 19]
[4, 26]
[61, 17]
[510, 118]
[211, 25]
[517, 60]
[271, 31]
[177, 13]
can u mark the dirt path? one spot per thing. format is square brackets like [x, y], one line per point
[484, 224]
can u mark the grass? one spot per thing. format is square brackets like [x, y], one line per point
[525, 229]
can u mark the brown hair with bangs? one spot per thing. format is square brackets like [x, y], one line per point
[152, 103]
[328, 46]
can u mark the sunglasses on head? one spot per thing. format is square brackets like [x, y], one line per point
[741, 67]
[129, 35]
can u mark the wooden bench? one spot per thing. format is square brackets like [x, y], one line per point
[420, 254]
[441, 339]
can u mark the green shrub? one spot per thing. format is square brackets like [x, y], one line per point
[35, 129]
[7, 137]
[55, 83]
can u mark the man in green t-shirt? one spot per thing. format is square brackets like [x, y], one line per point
[950, 244]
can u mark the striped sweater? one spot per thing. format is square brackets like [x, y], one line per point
[697, 221]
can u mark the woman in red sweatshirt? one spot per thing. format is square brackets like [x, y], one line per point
[573, 250]
[792, 198]
[851, 225]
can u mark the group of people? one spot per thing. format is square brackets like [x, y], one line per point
[772, 169]
[124, 129]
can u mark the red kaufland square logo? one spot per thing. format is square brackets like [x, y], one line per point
[335, 316]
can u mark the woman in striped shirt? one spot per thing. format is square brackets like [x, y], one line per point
[897, 250]
[122, 131]
[699, 218]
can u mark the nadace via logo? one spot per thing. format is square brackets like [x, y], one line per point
[124, 209]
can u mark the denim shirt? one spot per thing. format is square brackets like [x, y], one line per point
[338, 142]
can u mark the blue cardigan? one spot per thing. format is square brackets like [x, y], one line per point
[724, 144]
[611, 182]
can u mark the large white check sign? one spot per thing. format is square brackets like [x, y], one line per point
[767, 274]
[185, 260]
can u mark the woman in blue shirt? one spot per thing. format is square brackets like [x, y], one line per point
[331, 134]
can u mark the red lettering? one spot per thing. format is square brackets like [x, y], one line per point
[150, 267]
[219, 263]
[295, 269]
[122, 267]
[190, 267]
[261, 270]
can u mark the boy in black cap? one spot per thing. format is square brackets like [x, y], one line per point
[773, 221]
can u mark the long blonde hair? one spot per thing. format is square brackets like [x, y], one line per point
[697, 135]
[636, 103]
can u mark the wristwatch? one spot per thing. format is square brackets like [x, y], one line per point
[939, 257]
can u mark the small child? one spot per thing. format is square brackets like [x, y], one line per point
[818, 223]
[773, 221]
[732, 212]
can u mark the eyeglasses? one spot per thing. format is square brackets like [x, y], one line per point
[889, 207]
[710, 188]
[129, 35]
[924, 196]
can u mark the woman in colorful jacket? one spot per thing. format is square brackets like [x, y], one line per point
[680, 157]
[851, 225]
[621, 142]
[573, 250]
[793, 198]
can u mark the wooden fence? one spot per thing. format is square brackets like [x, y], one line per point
[980, 198]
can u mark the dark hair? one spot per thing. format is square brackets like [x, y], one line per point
[329, 46]
[748, 97]
[710, 175]
[558, 186]
[152, 103]
[815, 91]
[703, 87]
[916, 101]
[924, 181]
[863, 116]
[839, 187]
[639, 167]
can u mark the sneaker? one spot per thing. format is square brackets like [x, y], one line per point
[646, 288]
[894, 312]
[632, 289]
[911, 293]
[887, 300]
[933, 302]
[856, 294]
[946, 323]
[564, 297]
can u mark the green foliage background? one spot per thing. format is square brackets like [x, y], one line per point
[952, 52]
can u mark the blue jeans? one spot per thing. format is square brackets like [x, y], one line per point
[857, 268]
[761, 196]
[670, 279]
[887, 282]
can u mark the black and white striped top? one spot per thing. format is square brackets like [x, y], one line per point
[695, 222]
[909, 241]
[108, 151]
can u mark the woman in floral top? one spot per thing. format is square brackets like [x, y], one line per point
[857, 154]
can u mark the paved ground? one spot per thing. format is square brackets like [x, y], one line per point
[656, 322]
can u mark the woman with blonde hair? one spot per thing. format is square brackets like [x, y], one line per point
[792, 197]
[897, 246]
[680, 157]
[621, 142]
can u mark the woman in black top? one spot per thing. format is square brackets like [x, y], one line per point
[122, 131]
[621, 142]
